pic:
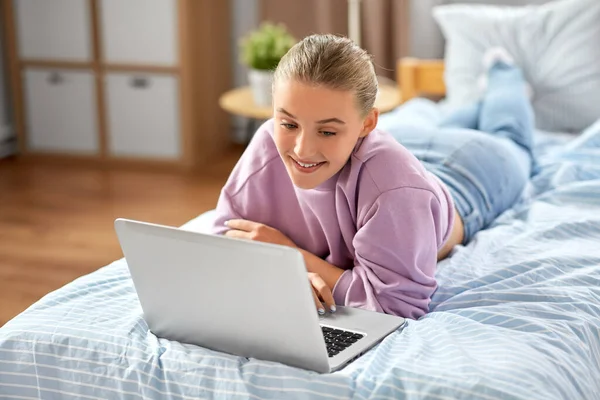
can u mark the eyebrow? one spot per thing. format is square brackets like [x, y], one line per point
[323, 121]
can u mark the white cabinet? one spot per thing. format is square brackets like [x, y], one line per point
[143, 60]
[143, 115]
[139, 31]
[61, 111]
[54, 30]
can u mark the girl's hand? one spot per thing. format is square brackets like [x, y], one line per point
[244, 229]
[321, 293]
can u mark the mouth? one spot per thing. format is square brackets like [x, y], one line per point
[307, 167]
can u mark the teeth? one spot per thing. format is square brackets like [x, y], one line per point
[306, 165]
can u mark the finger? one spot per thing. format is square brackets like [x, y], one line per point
[234, 233]
[324, 292]
[242, 224]
[318, 303]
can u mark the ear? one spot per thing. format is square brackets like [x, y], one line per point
[370, 122]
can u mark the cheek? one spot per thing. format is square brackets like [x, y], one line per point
[283, 141]
[339, 157]
[339, 152]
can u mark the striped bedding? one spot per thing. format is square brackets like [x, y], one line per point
[516, 316]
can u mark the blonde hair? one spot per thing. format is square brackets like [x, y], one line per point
[333, 61]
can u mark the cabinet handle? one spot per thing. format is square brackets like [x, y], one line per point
[139, 82]
[55, 78]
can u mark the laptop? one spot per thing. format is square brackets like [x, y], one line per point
[240, 297]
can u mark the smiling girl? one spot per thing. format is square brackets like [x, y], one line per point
[371, 216]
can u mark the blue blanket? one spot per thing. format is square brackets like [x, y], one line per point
[516, 316]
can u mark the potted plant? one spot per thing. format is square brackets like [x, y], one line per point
[261, 51]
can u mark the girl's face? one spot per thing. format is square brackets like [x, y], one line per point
[316, 129]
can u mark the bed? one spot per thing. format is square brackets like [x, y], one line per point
[516, 314]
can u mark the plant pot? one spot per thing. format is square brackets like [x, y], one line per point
[261, 82]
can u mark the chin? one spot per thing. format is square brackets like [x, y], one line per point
[305, 184]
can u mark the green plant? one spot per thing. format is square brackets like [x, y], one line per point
[264, 47]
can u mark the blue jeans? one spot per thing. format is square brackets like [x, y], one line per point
[483, 151]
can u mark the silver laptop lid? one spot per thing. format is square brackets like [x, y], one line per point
[240, 297]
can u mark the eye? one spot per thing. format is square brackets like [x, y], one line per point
[287, 126]
[327, 133]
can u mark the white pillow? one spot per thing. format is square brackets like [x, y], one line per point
[556, 44]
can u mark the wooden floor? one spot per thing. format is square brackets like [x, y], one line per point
[56, 222]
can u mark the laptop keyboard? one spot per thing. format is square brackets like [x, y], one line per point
[338, 340]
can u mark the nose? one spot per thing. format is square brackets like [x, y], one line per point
[305, 146]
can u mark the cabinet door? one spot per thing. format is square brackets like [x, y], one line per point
[61, 111]
[56, 30]
[139, 31]
[143, 115]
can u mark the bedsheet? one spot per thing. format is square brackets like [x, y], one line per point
[516, 316]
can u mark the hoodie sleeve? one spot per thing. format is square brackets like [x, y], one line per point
[244, 189]
[224, 212]
[395, 255]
